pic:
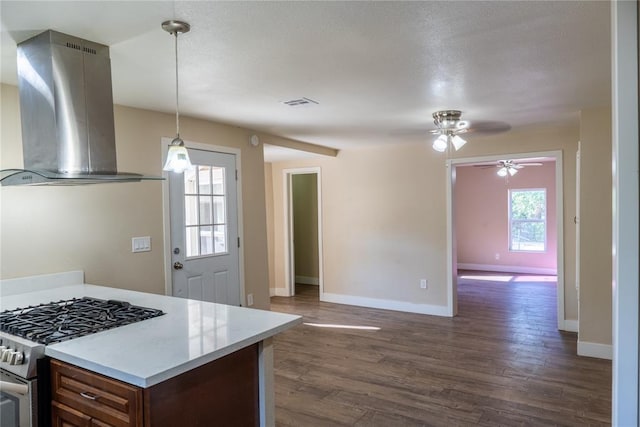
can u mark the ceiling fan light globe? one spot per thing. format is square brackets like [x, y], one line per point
[440, 144]
[457, 142]
[177, 159]
[502, 172]
[513, 171]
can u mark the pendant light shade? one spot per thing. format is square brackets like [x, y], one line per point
[440, 144]
[507, 169]
[177, 157]
[457, 142]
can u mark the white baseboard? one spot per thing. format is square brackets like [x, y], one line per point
[570, 325]
[434, 310]
[507, 268]
[592, 349]
[278, 292]
[306, 280]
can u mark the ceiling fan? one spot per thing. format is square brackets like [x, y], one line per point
[449, 126]
[509, 167]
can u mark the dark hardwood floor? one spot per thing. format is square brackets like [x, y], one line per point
[501, 361]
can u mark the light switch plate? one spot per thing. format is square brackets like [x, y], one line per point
[141, 244]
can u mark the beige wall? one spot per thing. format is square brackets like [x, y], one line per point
[384, 215]
[305, 224]
[52, 229]
[595, 226]
[381, 223]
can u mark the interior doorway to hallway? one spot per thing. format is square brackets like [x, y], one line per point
[303, 231]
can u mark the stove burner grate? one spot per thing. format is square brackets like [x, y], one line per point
[64, 320]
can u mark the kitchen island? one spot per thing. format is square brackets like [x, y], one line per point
[191, 337]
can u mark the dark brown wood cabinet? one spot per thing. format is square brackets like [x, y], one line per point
[224, 392]
[76, 391]
[63, 416]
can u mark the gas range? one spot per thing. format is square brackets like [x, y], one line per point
[24, 332]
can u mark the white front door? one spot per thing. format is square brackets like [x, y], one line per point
[204, 229]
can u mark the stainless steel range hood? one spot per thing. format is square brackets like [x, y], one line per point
[66, 105]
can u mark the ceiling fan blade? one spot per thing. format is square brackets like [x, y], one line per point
[530, 164]
[488, 128]
[487, 166]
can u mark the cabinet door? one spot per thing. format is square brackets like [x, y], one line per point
[103, 399]
[63, 416]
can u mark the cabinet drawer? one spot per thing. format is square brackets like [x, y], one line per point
[103, 399]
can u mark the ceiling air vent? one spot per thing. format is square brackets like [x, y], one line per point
[299, 102]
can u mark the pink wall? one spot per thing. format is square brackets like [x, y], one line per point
[481, 216]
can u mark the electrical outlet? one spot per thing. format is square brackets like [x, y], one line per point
[423, 283]
[250, 300]
[497, 256]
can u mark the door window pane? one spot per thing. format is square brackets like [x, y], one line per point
[219, 210]
[190, 181]
[191, 210]
[220, 238]
[206, 213]
[192, 241]
[206, 240]
[204, 179]
[218, 180]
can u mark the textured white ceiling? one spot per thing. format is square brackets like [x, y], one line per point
[377, 69]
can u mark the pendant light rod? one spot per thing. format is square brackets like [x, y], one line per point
[175, 27]
[177, 89]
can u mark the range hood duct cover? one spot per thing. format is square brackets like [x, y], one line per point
[66, 104]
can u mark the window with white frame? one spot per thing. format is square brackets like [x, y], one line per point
[205, 201]
[528, 220]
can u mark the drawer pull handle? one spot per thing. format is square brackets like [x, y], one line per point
[89, 396]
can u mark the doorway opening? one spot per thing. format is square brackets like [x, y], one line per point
[303, 232]
[496, 245]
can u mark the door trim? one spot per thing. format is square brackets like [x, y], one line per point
[289, 270]
[166, 216]
[452, 288]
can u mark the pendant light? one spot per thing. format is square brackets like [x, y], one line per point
[177, 157]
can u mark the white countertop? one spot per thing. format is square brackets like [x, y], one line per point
[145, 353]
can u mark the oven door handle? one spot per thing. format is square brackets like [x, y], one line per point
[14, 387]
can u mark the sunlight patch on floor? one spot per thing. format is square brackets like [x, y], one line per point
[534, 278]
[329, 325]
[509, 278]
[500, 278]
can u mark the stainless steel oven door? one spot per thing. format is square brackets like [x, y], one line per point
[18, 405]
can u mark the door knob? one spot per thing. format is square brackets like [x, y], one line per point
[177, 265]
